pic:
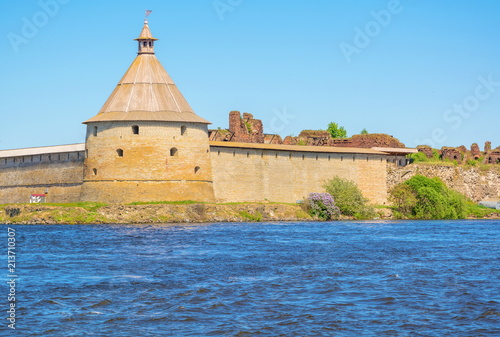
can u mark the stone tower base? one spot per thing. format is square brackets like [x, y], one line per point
[146, 191]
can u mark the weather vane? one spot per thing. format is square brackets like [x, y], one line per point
[147, 13]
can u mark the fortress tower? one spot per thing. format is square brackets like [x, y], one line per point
[146, 143]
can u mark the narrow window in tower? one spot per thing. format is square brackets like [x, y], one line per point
[174, 152]
[183, 130]
[197, 169]
[150, 44]
[135, 129]
[95, 131]
[145, 43]
[94, 171]
[119, 152]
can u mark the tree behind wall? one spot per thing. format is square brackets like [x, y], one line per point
[336, 131]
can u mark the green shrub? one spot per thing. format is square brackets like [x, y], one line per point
[427, 198]
[348, 198]
[420, 157]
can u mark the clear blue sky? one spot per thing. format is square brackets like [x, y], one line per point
[429, 72]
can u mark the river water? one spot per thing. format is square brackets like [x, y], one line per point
[383, 278]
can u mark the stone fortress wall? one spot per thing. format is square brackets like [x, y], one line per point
[241, 172]
[254, 172]
[56, 172]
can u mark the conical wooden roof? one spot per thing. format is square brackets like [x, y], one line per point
[146, 92]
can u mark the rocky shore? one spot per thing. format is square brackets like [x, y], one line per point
[149, 213]
[88, 213]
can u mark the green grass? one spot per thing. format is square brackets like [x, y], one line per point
[257, 217]
[479, 211]
[89, 206]
[184, 202]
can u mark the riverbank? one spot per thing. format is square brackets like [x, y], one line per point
[90, 213]
[183, 212]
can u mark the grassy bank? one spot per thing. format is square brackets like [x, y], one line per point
[175, 212]
[157, 212]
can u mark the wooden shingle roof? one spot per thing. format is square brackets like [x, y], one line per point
[146, 93]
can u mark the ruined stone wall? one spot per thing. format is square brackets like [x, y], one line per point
[475, 183]
[245, 129]
[285, 176]
[59, 174]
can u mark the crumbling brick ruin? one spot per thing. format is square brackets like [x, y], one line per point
[461, 155]
[246, 129]
[425, 149]
[453, 154]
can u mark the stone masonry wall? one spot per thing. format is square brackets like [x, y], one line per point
[283, 176]
[59, 174]
[147, 161]
[474, 183]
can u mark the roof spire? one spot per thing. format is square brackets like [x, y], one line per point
[146, 39]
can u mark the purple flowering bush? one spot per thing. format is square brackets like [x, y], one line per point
[322, 205]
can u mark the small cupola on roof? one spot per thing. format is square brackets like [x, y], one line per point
[146, 40]
[146, 92]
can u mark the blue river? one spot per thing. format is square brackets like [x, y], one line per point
[366, 278]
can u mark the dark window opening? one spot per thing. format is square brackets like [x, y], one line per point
[135, 129]
[145, 43]
[119, 152]
[94, 171]
[196, 169]
[95, 131]
[183, 130]
[150, 43]
[174, 152]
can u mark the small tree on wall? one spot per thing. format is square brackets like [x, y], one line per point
[336, 131]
